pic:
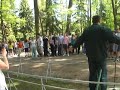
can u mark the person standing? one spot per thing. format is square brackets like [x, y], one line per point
[10, 48]
[20, 47]
[3, 65]
[33, 47]
[26, 47]
[65, 45]
[60, 45]
[45, 44]
[118, 46]
[15, 48]
[78, 48]
[55, 42]
[40, 45]
[51, 42]
[73, 42]
[95, 38]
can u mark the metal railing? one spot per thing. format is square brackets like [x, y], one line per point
[56, 79]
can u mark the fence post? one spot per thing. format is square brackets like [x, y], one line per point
[10, 81]
[42, 85]
[20, 65]
[48, 72]
[97, 87]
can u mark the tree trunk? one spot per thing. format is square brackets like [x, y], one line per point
[90, 13]
[48, 18]
[100, 13]
[2, 23]
[41, 24]
[68, 27]
[36, 12]
[114, 13]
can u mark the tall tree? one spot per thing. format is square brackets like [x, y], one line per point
[81, 14]
[68, 27]
[7, 16]
[49, 16]
[114, 7]
[36, 12]
[42, 7]
[90, 13]
[2, 21]
[26, 13]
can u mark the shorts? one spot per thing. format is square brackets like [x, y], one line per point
[65, 46]
[116, 48]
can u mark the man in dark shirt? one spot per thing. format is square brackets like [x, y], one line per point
[45, 44]
[54, 38]
[95, 38]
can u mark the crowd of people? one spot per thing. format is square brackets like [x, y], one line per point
[93, 39]
[53, 45]
[114, 49]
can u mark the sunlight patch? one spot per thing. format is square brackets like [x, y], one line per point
[60, 59]
[38, 65]
[84, 70]
[116, 88]
[110, 66]
[118, 66]
[13, 84]
[16, 65]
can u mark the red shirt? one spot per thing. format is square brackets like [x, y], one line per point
[20, 45]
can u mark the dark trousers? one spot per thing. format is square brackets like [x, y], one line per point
[46, 51]
[78, 50]
[95, 65]
[53, 50]
[60, 49]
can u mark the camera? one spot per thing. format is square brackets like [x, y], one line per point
[1, 47]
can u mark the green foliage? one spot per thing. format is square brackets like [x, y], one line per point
[26, 14]
[53, 16]
[42, 4]
[8, 17]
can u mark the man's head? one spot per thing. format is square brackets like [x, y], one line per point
[96, 19]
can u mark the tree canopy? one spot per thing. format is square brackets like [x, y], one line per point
[54, 16]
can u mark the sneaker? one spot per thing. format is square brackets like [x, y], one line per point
[68, 54]
[117, 59]
[64, 54]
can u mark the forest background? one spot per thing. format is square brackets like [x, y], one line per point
[21, 19]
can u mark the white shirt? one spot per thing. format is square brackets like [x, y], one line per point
[118, 34]
[33, 43]
[15, 44]
[69, 38]
[3, 85]
[60, 39]
[40, 41]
